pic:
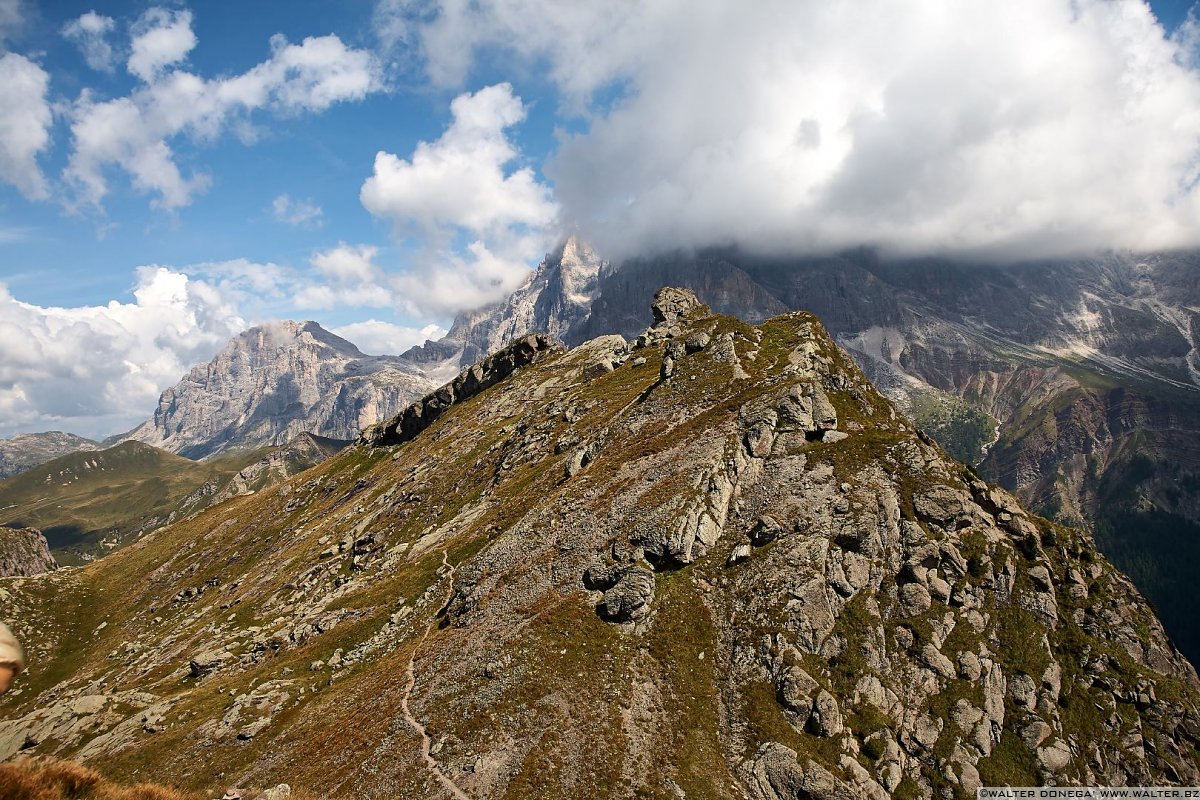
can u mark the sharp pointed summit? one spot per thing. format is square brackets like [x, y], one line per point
[555, 299]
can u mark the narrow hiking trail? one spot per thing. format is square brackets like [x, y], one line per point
[430, 762]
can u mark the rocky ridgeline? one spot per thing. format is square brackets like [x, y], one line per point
[24, 552]
[709, 562]
[471, 381]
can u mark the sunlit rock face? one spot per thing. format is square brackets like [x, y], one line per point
[274, 382]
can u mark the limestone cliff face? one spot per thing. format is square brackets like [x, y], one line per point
[709, 561]
[275, 382]
[24, 552]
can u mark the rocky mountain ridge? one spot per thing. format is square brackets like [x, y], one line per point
[1072, 383]
[711, 561]
[273, 383]
[26, 450]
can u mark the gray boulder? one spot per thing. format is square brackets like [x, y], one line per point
[629, 598]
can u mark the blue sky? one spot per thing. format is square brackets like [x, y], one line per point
[55, 254]
[171, 173]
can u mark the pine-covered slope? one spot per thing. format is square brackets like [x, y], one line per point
[714, 562]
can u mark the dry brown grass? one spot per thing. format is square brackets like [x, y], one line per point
[51, 779]
[64, 780]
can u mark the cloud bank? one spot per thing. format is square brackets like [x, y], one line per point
[969, 127]
[97, 370]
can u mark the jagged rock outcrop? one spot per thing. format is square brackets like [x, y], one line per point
[274, 382]
[24, 552]
[556, 297]
[470, 382]
[477, 609]
[31, 449]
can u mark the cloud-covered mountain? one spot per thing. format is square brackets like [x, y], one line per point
[1073, 382]
[554, 299]
[805, 127]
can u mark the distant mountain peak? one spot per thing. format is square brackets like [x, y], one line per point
[289, 335]
[273, 382]
[555, 298]
[27, 450]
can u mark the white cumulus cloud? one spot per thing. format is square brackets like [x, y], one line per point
[347, 275]
[161, 37]
[136, 132]
[1029, 127]
[24, 123]
[378, 338]
[460, 180]
[89, 32]
[461, 186]
[98, 370]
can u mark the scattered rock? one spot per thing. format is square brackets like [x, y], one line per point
[206, 662]
[741, 552]
[765, 530]
[914, 599]
[826, 718]
[1056, 757]
[795, 689]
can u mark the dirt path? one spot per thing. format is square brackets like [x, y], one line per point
[430, 761]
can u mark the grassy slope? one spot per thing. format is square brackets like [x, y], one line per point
[82, 500]
[562, 670]
[79, 498]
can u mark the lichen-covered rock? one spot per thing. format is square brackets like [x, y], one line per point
[24, 552]
[776, 773]
[826, 717]
[629, 598]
